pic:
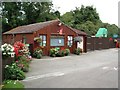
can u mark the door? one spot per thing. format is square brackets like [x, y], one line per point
[80, 44]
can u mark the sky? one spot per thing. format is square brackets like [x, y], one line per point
[107, 9]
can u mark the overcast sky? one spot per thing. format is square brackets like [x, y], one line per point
[107, 9]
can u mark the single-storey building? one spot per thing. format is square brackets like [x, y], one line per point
[50, 34]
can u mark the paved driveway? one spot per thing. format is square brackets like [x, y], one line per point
[97, 69]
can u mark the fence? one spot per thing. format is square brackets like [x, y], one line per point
[95, 43]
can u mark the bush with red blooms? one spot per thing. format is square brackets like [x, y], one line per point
[22, 55]
[18, 46]
[21, 63]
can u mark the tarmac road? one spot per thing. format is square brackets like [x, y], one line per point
[97, 69]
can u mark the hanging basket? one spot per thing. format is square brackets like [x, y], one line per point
[77, 39]
[37, 39]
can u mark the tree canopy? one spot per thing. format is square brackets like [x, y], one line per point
[85, 18]
[23, 13]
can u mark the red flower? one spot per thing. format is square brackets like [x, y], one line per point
[16, 51]
[18, 46]
[16, 61]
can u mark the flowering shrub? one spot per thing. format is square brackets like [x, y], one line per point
[24, 50]
[23, 63]
[66, 52]
[13, 72]
[20, 48]
[37, 53]
[78, 51]
[53, 52]
[59, 53]
[7, 50]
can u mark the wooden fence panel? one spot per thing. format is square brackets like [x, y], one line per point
[95, 43]
[90, 44]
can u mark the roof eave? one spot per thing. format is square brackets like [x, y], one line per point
[18, 33]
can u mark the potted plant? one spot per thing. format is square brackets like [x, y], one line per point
[77, 39]
[37, 39]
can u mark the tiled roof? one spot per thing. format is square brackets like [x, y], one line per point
[79, 32]
[37, 26]
[30, 28]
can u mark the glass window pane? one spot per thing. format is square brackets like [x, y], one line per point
[57, 41]
[71, 38]
[68, 43]
[44, 41]
[68, 38]
[44, 44]
[41, 36]
[41, 44]
[44, 37]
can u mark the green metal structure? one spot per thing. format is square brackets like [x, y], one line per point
[102, 32]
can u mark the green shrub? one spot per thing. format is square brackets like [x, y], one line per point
[37, 53]
[78, 51]
[53, 52]
[7, 84]
[67, 52]
[23, 63]
[60, 53]
[13, 72]
[38, 56]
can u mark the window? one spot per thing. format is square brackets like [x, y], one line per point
[57, 41]
[70, 41]
[43, 40]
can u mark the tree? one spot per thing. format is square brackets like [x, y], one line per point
[68, 18]
[84, 18]
[83, 14]
[112, 29]
[23, 13]
[10, 15]
[87, 19]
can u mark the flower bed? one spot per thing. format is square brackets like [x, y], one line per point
[19, 57]
[37, 53]
[55, 52]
